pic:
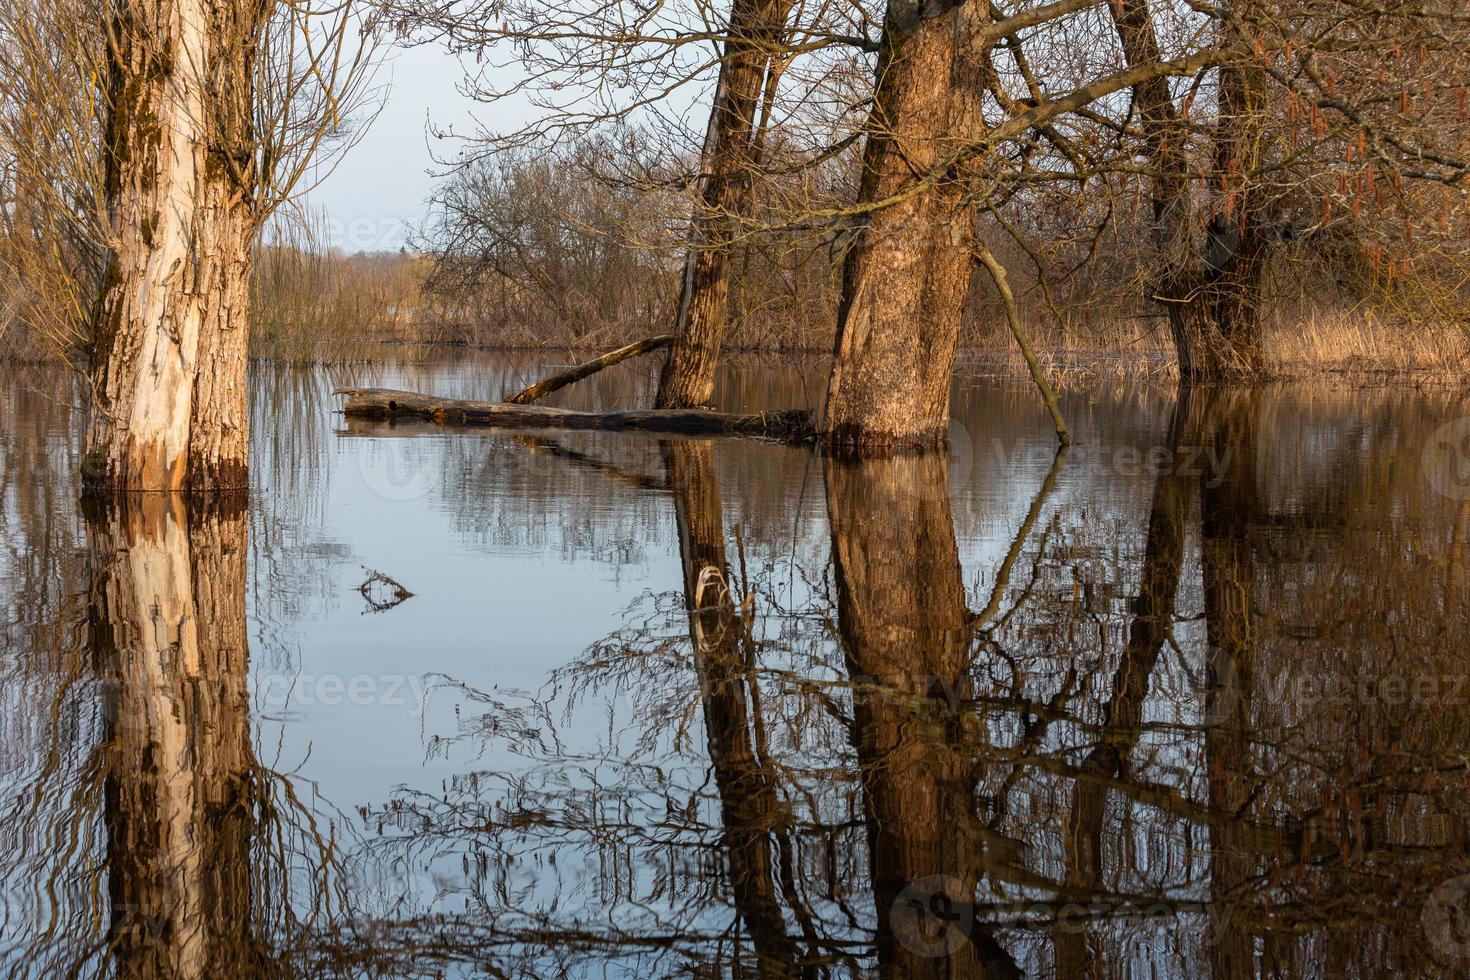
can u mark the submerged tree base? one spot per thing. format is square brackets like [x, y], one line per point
[797, 425]
[855, 442]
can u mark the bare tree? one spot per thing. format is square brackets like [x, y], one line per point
[146, 146]
[537, 249]
[781, 78]
[1298, 118]
[944, 137]
[1255, 129]
[908, 272]
[750, 68]
[193, 168]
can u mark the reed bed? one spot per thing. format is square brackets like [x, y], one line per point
[312, 304]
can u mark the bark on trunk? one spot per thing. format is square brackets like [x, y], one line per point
[219, 441]
[908, 271]
[168, 635]
[1236, 250]
[169, 390]
[729, 159]
[1210, 289]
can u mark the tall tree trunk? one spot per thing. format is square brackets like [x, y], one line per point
[1235, 255]
[219, 442]
[168, 635]
[907, 632]
[908, 271]
[171, 353]
[1210, 290]
[729, 159]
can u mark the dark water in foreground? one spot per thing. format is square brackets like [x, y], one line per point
[1190, 701]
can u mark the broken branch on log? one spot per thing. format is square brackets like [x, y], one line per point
[376, 403]
[557, 382]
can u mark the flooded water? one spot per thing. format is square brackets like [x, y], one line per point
[1189, 700]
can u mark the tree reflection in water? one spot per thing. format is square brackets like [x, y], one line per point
[203, 845]
[895, 785]
[1189, 747]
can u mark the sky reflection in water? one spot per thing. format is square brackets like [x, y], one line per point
[1188, 700]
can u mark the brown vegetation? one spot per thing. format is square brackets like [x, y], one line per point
[1209, 177]
[313, 303]
[146, 144]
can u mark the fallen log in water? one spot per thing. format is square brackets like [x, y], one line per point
[378, 403]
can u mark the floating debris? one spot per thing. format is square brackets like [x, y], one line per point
[382, 592]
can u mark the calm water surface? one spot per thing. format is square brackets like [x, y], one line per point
[1190, 700]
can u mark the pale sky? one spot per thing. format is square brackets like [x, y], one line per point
[381, 187]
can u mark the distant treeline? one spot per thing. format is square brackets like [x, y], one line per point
[533, 253]
[1139, 172]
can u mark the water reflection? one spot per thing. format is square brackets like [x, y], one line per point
[907, 635]
[176, 853]
[1190, 700]
[753, 819]
[169, 638]
[1149, 629]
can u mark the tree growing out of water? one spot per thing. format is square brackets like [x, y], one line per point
[179, 157]
[214, 110]
[935, 156]
[1260, 135]
[749, 73]
[933, 162]
[1305, 125]
[612, 80]
[183, 125]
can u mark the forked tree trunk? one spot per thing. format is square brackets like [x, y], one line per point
[1210, 290]
[729, 158]
[908, 271]
[169, 387]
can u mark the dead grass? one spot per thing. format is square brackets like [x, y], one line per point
[1352, 347]
[1362, 345]
[312, 304]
